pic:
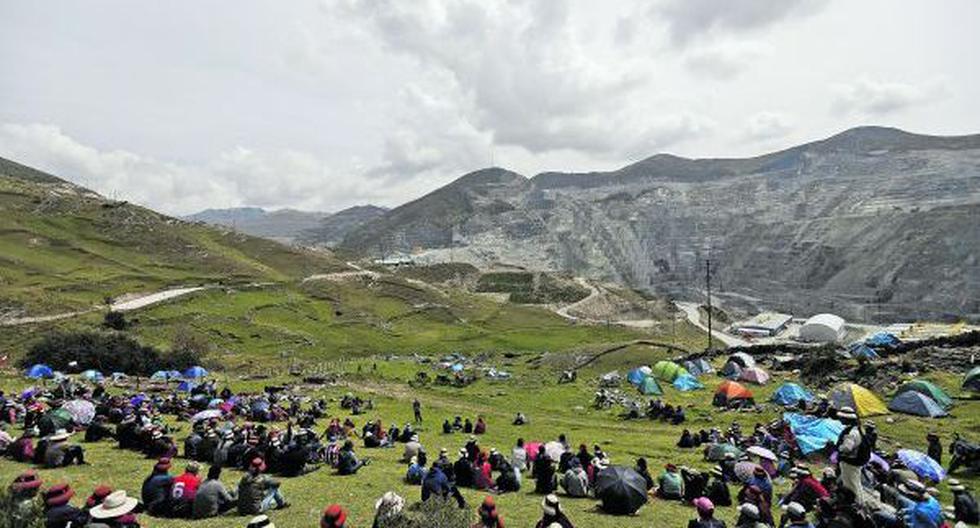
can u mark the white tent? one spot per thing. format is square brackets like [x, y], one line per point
[822, 328]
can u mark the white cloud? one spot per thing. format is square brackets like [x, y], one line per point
[723, 61]
[688, 20]
[767, 125]
[875, 97]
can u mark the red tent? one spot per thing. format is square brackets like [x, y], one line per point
[730, 392]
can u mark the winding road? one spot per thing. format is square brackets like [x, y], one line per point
[691, 310]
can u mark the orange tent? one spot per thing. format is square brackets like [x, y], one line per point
[732, 393]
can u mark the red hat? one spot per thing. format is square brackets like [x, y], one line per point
[489, 503]
[98, 495]
[333, 517]
[28, 480]
[258, 464]
[58, 495]
[163, 464]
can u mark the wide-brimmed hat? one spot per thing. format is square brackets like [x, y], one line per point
[550, 505]
[795, 510]
[912, 488]
[114, 505]
[260, 521]
[847, 413]
[59, 436]
[956, 485]
[58, 495]
[27, 480]
[335, 514]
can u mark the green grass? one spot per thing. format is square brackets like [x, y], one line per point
[552, 409]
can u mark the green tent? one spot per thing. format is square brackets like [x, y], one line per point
[668, 371]
[972, 380]
[650, 387]
[927, 388]
[55, 419]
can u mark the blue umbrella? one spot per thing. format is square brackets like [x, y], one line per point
[922, 465]
[38, 371]
[195, 372]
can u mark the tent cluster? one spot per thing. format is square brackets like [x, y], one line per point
[742, 367]
[648, 379]
[921, 398]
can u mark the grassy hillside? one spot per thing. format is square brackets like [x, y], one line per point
[63, 248]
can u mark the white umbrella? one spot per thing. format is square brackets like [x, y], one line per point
[554, 450]
[762, 452]
[81, 411]
[206, 415]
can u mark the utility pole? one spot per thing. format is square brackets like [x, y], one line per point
[707, 281]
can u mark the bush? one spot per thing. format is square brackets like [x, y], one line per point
[433, 513]
[106, 352]
[115, 321]
[25, 518]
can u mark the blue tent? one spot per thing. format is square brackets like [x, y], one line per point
[883, 339]
[731, 370]
[698, 367]
[790, 394]
[92, 375]
[185, 386]
[458, 367]
[861, 350]
[813, 433]
[39, 371]
[916, 403]
[687, 382]
[160, 375]
[636, 377]
[195, 372]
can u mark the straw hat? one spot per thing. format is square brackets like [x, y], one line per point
[114, 505]
[260, 521]
[550, 505]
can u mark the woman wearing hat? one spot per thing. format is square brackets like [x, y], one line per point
[116, 511]
[489, 517]
[706, 515]
[58, 512]
[156, 489]
[23, 493]
[552, 513]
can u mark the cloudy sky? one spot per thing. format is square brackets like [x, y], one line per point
[323, 104]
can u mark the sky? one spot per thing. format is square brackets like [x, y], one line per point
[324, 104]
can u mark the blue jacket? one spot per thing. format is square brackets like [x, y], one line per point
[435, 483]
[925, 514]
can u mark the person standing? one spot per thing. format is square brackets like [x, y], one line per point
[853, 451]
[417, 409]
[935, 448]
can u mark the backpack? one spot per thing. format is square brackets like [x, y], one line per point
[865, 448]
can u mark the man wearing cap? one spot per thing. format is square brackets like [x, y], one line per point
[334, 516]
[964, 505]
[156, 489]
[116, 511]
[706, 515]
[184, 489]
[551, 513]
[852, 452]
[257, 492]
[806, 490]
[58, 512]
[23, 491]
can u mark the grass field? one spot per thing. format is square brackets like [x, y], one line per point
[552, 409]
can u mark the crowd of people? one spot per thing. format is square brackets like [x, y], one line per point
[274, 434]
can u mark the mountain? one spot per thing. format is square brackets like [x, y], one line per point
[873, 223]
[283, 225]
[331, 230]
[64, 247]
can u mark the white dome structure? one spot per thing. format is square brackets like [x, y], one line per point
[822, 328]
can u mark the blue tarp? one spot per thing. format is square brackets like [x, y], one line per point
[195, 372]
[791, 394]
[883, 339]
[39, 371]
[916, 403]
[813, 433]
[185, 386]
[636, 377]
[861, 350]
[687, 382]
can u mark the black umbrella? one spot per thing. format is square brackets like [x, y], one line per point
[621, 490]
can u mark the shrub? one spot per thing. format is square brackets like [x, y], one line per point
[12, 516]
[106, 352]
[433, 513]
[115, 320]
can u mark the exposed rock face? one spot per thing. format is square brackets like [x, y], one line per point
[332, 229]
[873, 224]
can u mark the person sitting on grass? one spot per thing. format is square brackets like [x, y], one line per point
[480, 427]
[543, 472]
[415, 473]
[488, 515]
[670, 485]
[156, 489]
[23, 495]
[334, 516]
[184, 489]
[58, 512]
[551, 514]
[116, 511]
[575, 481]
[213, 498]
[435, 484]
[60, 454]
[348, 463]
[706, 515]
[717, 489]
[748, 517]
[257, 492]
